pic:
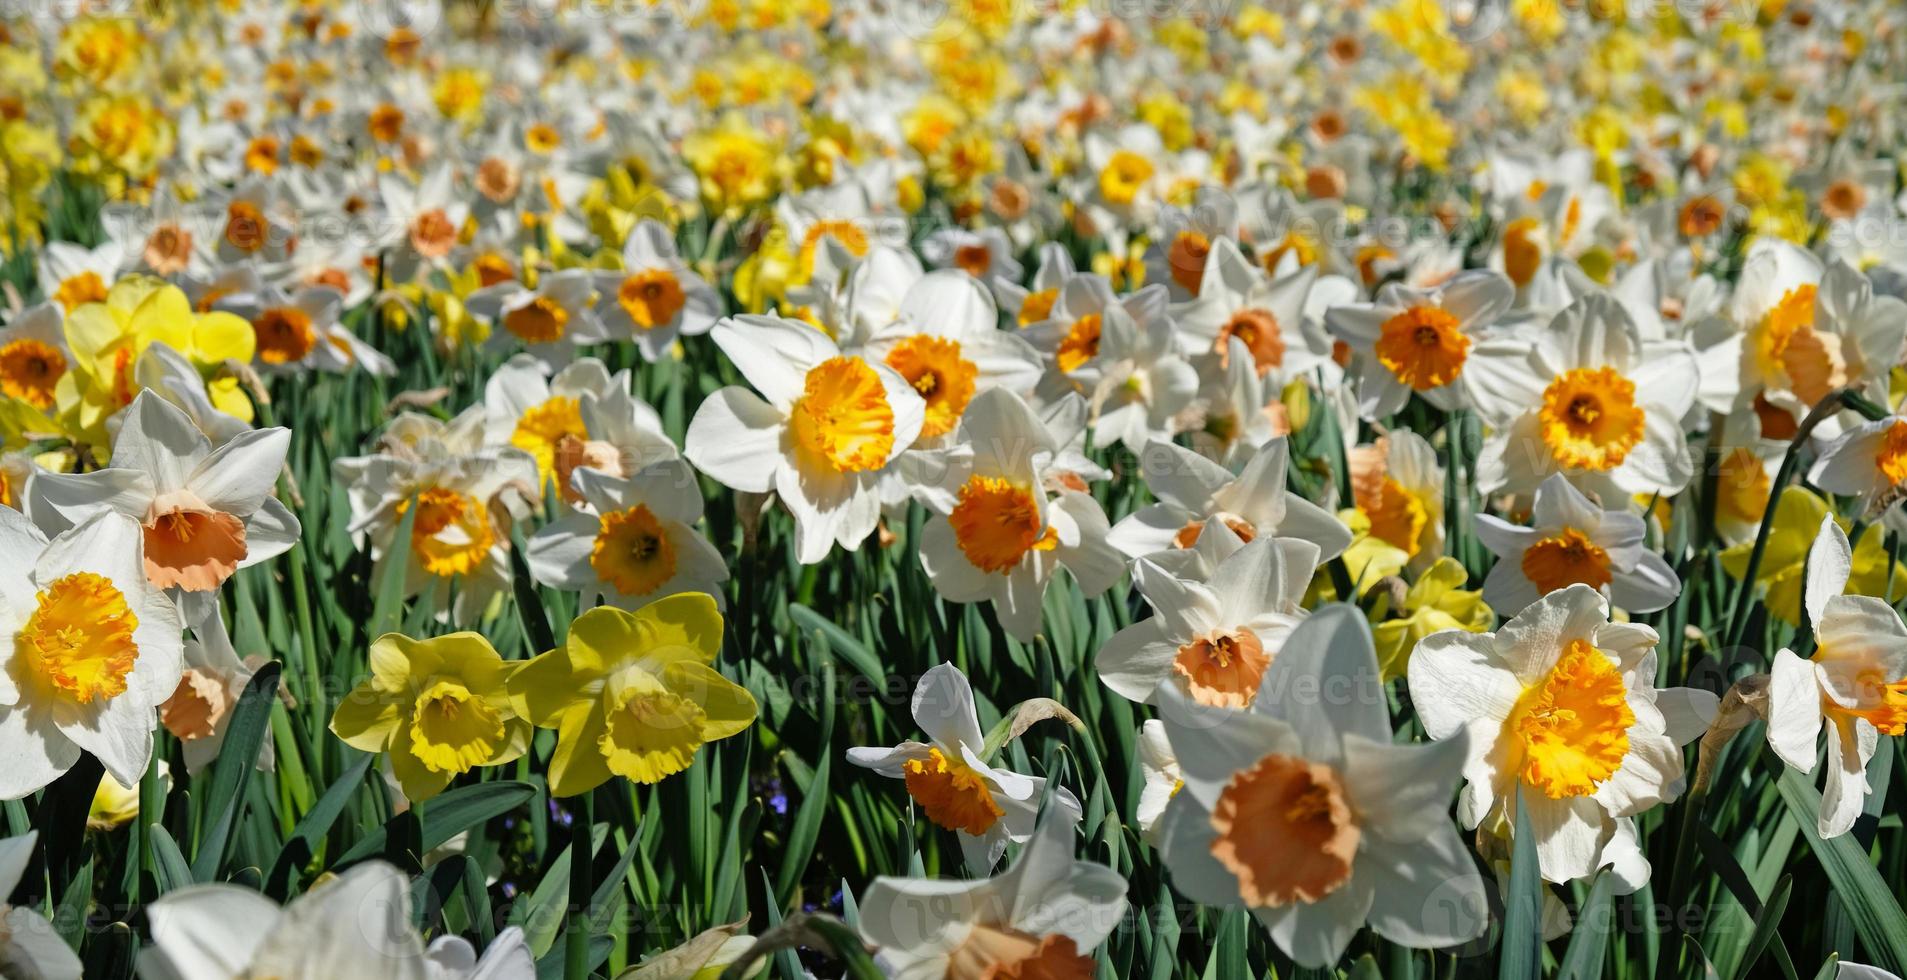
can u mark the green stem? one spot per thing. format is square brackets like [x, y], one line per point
[1738, 613]
[582, 887]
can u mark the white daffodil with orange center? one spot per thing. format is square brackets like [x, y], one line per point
[1867, 461]
[199, 712]
[301, 330]
[998, 533]
[581, 417]
[1252, 503]
[820, 432]
[92, 649]
[1418, 340]
[1398, 487]
[73, 275]
[1072, 329]
[1041, 917]
[1238, 300]
[633, 542]
[1212, 640]
[205, 512]
[423, 220]
[1854, 687]
[655, 298]
[1559, 706]
[1579, 397]
[1301, 808]
[1572, 541]
[953, 787]
[34, 356]
[549, 321]
[986, 255]
[1031, 304]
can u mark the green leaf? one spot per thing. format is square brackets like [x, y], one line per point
[168, 864]
[238, 758]
[448, 815]
[1590, 939]
[839, 641]
[1869, 902]
[1521, 951]
[304, 839]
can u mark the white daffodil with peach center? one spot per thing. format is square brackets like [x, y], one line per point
[199, 712]
[655, 298]
[1041, 917]
[1252, 503]
[1579, 397]
[1854, 687]
[1237, 299]
[93, 648]
[956, 789]
[549, 321]
[1302, 809]
[634, 541]
[1418, 340]
[1571, 541]
[205, 512]
[822, 428]
[1213, 640]
[1559, 706]
[999, 534]
[422, 220]
[986, 255]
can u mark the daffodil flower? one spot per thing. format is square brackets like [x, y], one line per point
[115, 804]
[1570, 540]
[1436, 601]
[1868, 460]
[440, 707]
[819, 433]
[1301, 808]
[985, 806]
[549, 321]
[655, 298]
[34, 356]
[1144, 382]
[95, 650]
[1398, 485]
[28, 942]
[634, 543]
[550, 417]
[1559, 706]
[108, 337]
[1213, 641]
[1253, 503]
[1041, 917]
[1417, 340]
[1161, 778]
[1783, 571]
[1854, 687]
[633, 694]
[199, 712]
[1236, 299]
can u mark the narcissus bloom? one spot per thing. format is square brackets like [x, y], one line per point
[199, 712]
[439, 706]
[1783, 571]
[1041, 917]
[819, 433]
[632, 694]
[1854, 687]
[1436, 601]
[107, 337]
[1253, 503]
[654, 298]
[28, 942]
[956, 789]
[1419, 339]
[634, 543]
[1570, 540]
[95, 649]
[1212, 641]
[1302, 809]
[1561, 706]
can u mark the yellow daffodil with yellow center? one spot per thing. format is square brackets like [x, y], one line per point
[945, 380]
[996, 522]
[29, 371]
[850, 235]
[1186, 259]
[432, 235]
[544, 427]
[1259, 331]
[843, 420]
[1570, 730]
[990, 953]
[1786, 344]
[284, 335]
[452, 729]
[1522, 250]
[632, 551]
[650, 734]
[1285, 829]
[1037, 306]
[1081, 343]
[452, 532]
[1566, 558]
[78, 642]
[1437, 601]
[540, 321]
[1223, 668]
[1396, 515]
[1123, 176]
[1890, 458]
[951, 793]
[82, 287]
[1423, 346]
[652, 298]
[1590, 419]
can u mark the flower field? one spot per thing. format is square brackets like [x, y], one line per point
[967, 489]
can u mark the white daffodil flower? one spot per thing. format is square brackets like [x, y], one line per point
[29, 945]
[1561, 706]
[1570, 540]
[985, 806]
[1041, 917]
[1855, 685]
[1302, 809]
[1868, 460]
[1579, 397]
[1236, 299]
[582, 416]
[1418, 339]
[1212, 641]
[822, 428]
[549, 321]
[34, 355]
[1253, 503]
[1144, 383]
[1161, 778]
[199, 712]
[999, 533]
[634, 542]
[95, 647]
[655, 298]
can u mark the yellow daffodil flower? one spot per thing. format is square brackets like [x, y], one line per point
[107, 339]
[1436, 601]
[1783, 567]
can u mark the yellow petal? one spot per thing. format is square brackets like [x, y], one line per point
[366, 718]
[224, 336]
[729, 707]
[577, 766]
